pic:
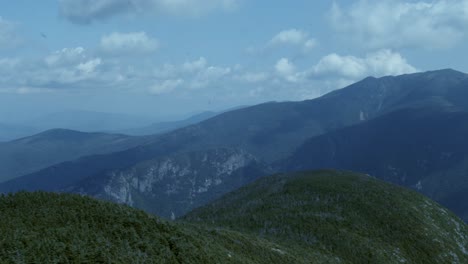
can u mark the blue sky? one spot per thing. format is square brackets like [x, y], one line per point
[169, 58]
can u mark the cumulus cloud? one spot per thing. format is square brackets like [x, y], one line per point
[287, 70]
[128, 43]
[65, 56]
[291, 36]
[397, 23]
[194, 75]
[195, 66]
[67, 68]
[8, 36]
[284, 67]
[347, 69]
[209, 76]
[88, 11]
[294, 37]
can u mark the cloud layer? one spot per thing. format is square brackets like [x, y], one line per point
[88, 11]
[128, 43]
[380, 63]
[397, 23]
[79, 69]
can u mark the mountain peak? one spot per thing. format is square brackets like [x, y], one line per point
[444, 73]
[447, 71]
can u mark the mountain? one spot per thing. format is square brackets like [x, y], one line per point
[267, 134]
[353, 217]
[172, 185]
[311, 217]
[88, 121]
[29, 154]
[163, 127]
[424, 149]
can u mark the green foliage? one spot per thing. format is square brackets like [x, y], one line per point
[310, 217]
[62, 228]
[354, 217]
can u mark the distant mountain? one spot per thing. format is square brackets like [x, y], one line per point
[172, 185]
[267, 134]
[353, 217]
[313, 217]
[10, 132]
[163, 127]
[89, 121]
[423, 149]
[29, 154]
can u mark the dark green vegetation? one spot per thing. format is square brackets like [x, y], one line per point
[313, 217]
[26, 155]
[64, 228]
[270, 134]
[353, 217]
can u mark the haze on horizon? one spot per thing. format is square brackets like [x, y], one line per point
[168, 59]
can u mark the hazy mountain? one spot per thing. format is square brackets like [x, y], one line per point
[89, 121]
[423, 149]
[29, 154]
[314, 217]
[162, 127]
[267, 133]
[353, 217]
[10, 132]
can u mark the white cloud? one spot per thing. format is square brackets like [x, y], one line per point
[294, 37]
[67, 68]
[284, 67]
[209, 76]
[196, 74]
[287, 70]
[380, 63]
[8, 35]
[397, 23]
[291, 36]
[88, 11]
[89, 66]
[65, 56]
[310, 44]
[253, 77]
[166, 86]
[195, 66]
[128, 43]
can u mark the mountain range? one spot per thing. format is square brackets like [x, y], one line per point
[30, 154]
[405, 129]
[163, 127]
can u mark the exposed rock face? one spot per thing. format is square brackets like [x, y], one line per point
[173, 185]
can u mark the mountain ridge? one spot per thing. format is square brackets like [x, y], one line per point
[269, 132]
[28, 154]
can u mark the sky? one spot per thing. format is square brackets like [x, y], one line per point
[170, 58]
